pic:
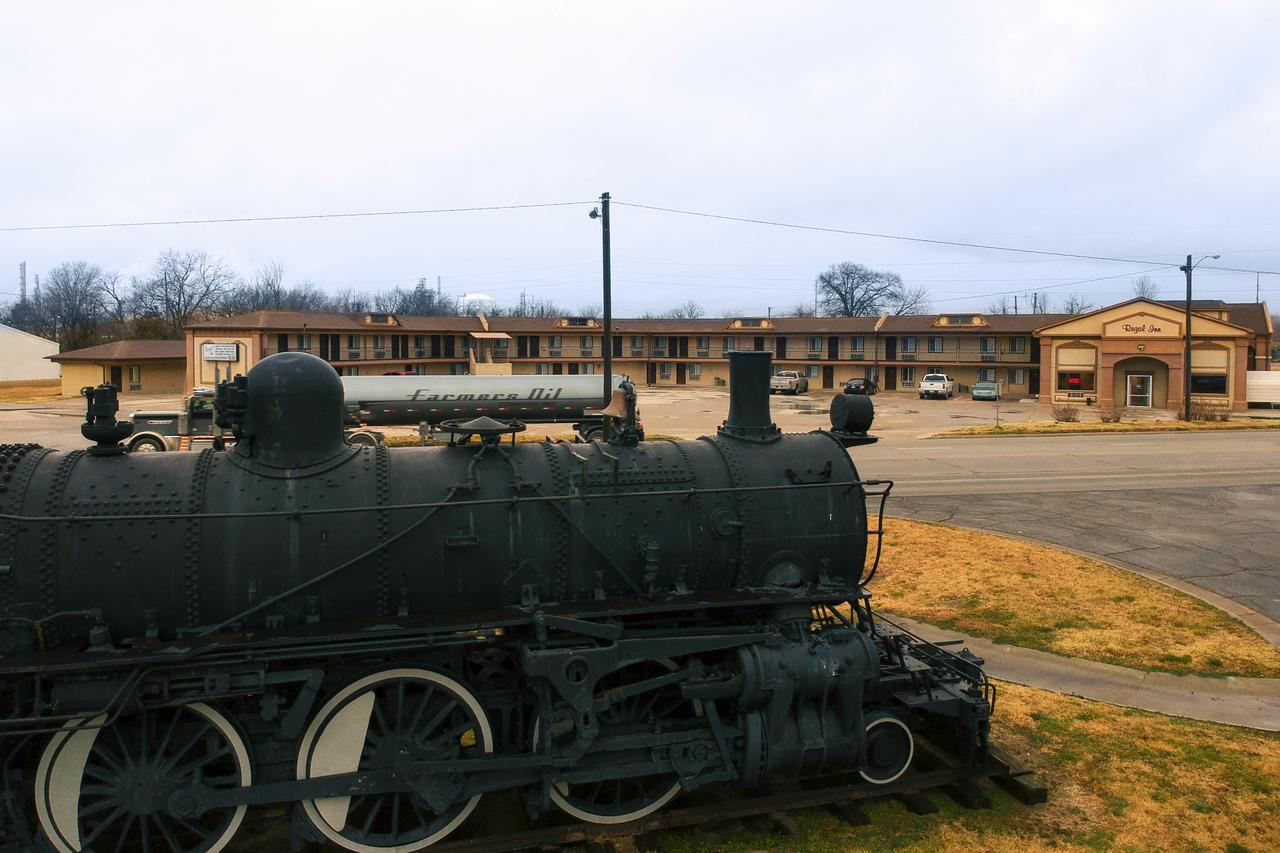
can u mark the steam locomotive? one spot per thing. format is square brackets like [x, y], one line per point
[374, 638]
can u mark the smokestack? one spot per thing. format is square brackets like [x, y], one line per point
[749, 418]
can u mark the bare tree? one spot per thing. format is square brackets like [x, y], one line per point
[593, 311]
[690, 310]
[852, 290]
[803, 309]
[184, 286]
[1003, 305]
[912, 300]
[72, 298]
[117, 298]
[1076, 303]
[1038, 301]
[537, 306]
[1144, 287]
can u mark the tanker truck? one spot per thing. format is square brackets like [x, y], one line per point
[403, 400]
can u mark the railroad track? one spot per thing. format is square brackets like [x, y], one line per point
[933, 776]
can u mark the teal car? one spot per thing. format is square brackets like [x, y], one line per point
[986, 391]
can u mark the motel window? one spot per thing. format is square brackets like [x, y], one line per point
[908, 375]
[1201, 383]
[934, 370]
[637, 342]
[379, 342]
[1075, 380]
[554, 342]
[1017, 344]
[353, 342]
[304, 342]
[664, 370]
[420, 369]
[935, 343]
[815, 344]
[704, 343]
[1017, 376]
[987, 345]
[587, 342]
[135, 374]
[695, 372]
[542, 368]
[501, 343]
[659, 344]
[459, 369]
[728, 344]
[419, 341]
[908, 344]
[856, 344]
[986, 374]
[351, 371]
[811, 371]
[588, 368]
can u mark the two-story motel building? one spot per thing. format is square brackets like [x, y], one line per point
[1126, 354]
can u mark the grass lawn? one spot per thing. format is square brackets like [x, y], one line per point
[1118, 779]
[1132, 426]
[31, 392]
[1038, 597]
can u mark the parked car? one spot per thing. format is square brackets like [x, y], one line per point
[861, 386]
[788, 382]
[986, 391]
[937, 385]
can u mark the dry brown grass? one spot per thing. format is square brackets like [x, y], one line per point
[1039, 597]
[31, 392]
[1118, 779]
[1126, 426]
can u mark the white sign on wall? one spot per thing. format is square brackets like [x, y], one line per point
[220, 352]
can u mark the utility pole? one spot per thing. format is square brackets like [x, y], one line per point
[1186, 359]
[1015, 303]
[603, 213]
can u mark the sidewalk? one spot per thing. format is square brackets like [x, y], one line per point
[1250, 702]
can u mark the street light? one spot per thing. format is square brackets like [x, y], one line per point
[602, 213]
[1186, 360]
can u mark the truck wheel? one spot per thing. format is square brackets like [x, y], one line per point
[593, 434]
[146, 445]
[361, 439]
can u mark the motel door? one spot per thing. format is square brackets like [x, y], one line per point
[117, 377]
[1139, 390]
[680, 368]
[828, 376]
[651, 375]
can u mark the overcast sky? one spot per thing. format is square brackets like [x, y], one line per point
[1141, 130]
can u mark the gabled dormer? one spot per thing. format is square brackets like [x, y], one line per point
[383, 320]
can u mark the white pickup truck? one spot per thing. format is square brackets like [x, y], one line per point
[788, 382]
[937, 385]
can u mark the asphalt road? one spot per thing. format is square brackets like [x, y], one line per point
[1202, 507]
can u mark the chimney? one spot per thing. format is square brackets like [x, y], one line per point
[749, 418]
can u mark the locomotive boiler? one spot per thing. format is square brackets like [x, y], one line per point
[376, 637]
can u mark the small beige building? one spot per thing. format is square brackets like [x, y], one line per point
[1132, 354]
[134, 367]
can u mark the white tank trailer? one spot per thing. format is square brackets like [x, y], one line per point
[407, 400]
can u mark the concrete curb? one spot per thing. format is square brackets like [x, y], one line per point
[1247, 702]
[1267, 427]
[1262, 625]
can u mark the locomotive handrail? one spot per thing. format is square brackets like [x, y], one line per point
[879, 531]
[297, 513]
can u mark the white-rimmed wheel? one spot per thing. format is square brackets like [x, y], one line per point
[890, 748]
[393, 718]
[113, 787]
[622, 800]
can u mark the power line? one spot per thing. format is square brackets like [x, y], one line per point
[291, 218]
[904, 238]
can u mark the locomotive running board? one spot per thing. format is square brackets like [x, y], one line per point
[960, 784]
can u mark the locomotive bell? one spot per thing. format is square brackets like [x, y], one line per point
[294, 414]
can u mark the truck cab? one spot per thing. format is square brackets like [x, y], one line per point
[157, 431]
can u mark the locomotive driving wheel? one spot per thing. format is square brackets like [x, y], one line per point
[389, 719]
[113, 787]
[622, 800]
